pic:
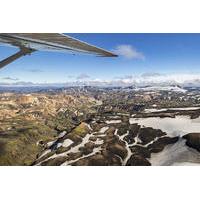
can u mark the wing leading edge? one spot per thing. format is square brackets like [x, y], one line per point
[30, 42]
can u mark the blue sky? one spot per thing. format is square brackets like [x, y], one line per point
[139, 54]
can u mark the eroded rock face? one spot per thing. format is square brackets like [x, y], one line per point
[137, 160]
[54, 161]
[26, 99]
[193, 140]
[98, 160]
[117, 148]
[159, 144]
[100, 144]
[30, 120]
[148, 134]
[142, 151]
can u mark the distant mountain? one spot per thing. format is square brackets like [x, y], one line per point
[126, 84]
[173, 88]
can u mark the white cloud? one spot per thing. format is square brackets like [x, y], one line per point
[150, 74]
[124, 77]
[82, 76]
[10, 78]
[129, 52]
[156, 79]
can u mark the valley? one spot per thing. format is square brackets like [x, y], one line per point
[100, 126]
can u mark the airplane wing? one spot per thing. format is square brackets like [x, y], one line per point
[30, 42]
[52, 42]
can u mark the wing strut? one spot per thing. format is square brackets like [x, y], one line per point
[23, 51]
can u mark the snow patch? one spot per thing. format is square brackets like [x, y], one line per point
[113, 121]
[67, 143]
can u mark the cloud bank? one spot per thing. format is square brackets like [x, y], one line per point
[10, 78]
[157, 78]
[150, 79]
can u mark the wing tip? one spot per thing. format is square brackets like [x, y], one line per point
[110, 56]
[115, 55]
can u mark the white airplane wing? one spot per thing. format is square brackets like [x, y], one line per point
[30, 42]
[53, 41]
